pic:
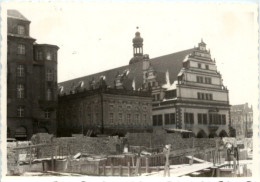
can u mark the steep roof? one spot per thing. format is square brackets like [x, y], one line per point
[170, 62]
[11, 13]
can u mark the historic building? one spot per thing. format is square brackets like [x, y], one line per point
[187, 90]
[242, 120]
[31, 81]
[104, 110]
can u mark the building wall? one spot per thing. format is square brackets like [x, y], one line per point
[242, 120]
[33, 80]
[86, 111]
[218, 95]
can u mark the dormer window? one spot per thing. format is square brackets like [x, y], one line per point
[49, 56]
[20, 30]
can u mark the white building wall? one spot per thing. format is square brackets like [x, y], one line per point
[193, 78]
[196, 127]
[192, 93]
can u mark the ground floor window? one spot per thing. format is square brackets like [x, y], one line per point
[217, 119]
[169, 119]
[188, 118]
[157, 120]
[202, 118]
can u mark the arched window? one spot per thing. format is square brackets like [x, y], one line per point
[20, 91]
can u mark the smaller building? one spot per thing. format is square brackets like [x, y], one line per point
[102, 110]
[242, 120]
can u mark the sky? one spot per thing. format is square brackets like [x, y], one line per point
[94, 37]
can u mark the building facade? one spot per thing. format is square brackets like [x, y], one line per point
[197, 100]
[31, 81]
[104, 110]
[242, 120]
[187, 90]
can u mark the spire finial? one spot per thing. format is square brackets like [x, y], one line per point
[201, 40]
[137, 27]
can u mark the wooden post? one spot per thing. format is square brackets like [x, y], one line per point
[52, 161]
[218, 172]
[157, 168]
[98, 169]
[112, 169]
[104, 169]
[129, 169]
[30, 157]
[120, 170]
[146, 165]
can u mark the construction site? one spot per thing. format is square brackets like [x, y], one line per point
[137, 154]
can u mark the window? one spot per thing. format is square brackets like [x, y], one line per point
[223, 119]
[20, 70]
[172, 118]
[199, 79]
[204, 96]
[20, 30]
[111, 118]
[20, 111]
[49, 56]
[49, 94]
[199, 65]
[200, 96]
[157, 120]
[47, 114]
[169, 119]
[217, 119]
[21, 49]
[144, 118]
[208, 80]
[202, 119]
[120, 117]
[206, 67]
[20, 91]
[128, 118]
[137, 118]
[49, 75]
[166, 119]
[188, 118]
[39, 55]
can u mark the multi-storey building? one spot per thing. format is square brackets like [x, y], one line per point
[197, 100]
[242, 120]
[187, 90]
[104, 110]
[31, 81]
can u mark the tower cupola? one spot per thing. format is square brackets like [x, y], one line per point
[137, 48]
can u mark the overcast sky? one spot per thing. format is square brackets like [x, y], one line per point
[94, 37]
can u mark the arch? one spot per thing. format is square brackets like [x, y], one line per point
[43, 130]
[201, 134]
[212, 135]
[21, 133]
[223, 133]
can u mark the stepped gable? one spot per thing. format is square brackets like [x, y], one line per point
[170, 62]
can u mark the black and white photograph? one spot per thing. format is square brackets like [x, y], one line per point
[129, 89]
